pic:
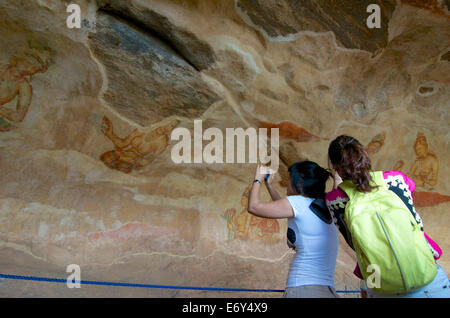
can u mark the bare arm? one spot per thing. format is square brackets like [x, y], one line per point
[278, 209]
[434, 172]
[107, 129]
[25, 92]
[412, 171]
[273, 193]
[124, 142]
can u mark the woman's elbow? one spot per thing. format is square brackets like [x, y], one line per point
[252, 209]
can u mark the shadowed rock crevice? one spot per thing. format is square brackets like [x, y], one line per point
[446, 57]
[145, 30]
[198, 53]
[148, 80]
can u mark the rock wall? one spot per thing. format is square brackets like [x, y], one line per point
[86, 117]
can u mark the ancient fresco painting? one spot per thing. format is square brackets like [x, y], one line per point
[129, 231]
[136, 150]
[16, 90]
[245, 226]
[424, 172]
[425, 168]
[424, 199]
[290, 134]
[291, 131]
[376, 144]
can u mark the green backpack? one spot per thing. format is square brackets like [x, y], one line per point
[387, 239]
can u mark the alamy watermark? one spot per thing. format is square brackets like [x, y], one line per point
[237, 149]
[74, 279]
[74, 18]
[374, 279]
[374, 19]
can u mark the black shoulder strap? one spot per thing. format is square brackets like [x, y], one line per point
[319, 207]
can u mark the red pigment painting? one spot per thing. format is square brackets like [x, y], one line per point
[291, 131]
[424, 199]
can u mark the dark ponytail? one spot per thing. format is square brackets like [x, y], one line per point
[309, 179]
[353, 161]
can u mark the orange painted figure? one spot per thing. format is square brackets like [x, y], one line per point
[425, 169]
[375, 144]
[136, 150]
[248, 226]
[15, 82]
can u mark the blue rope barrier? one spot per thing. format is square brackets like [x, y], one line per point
[88, 282]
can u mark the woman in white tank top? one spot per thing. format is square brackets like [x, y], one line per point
[311, 232]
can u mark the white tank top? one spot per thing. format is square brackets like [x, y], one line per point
[316, 244]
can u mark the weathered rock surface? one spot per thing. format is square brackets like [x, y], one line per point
[281, 20]
[147, 80]
[86, 116]
[199, 53]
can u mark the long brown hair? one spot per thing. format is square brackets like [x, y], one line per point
[353, 161]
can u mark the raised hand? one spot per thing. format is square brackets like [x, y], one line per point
[269, 179]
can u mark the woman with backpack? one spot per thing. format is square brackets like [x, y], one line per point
[375, 213]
